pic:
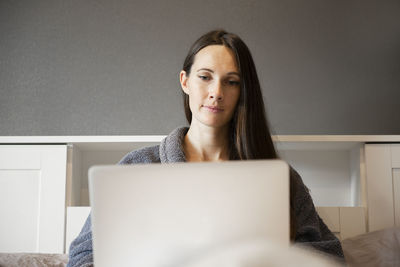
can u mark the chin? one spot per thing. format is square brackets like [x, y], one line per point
[213, 121]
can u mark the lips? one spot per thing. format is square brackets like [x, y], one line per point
[214, 109]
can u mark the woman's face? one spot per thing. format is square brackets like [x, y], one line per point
[213, 86]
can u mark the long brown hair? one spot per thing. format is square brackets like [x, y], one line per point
[249, 135]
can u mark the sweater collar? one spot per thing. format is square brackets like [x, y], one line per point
[171, 147]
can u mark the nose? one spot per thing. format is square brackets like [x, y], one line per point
[216, 92]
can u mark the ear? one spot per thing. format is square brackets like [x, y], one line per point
[184, 81]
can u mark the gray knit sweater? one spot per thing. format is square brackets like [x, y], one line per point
[310, 229]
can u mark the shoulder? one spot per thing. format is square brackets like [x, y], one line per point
[149, 154]
[310, 230]
[298, 189]
[300, 198]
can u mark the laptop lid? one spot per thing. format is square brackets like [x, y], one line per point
[162, 214]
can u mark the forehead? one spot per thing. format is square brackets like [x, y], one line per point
[216, 57]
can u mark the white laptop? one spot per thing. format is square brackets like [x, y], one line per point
[165, 214]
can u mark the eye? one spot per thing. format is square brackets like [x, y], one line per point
[204, 78]
[234, 83]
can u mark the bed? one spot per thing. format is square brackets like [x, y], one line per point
[378, 249]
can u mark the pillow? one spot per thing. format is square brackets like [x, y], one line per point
[33, 260]
[378, 249]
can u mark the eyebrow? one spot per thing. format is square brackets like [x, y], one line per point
[209, 70]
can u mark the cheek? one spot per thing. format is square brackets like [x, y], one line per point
[235, 97]
[194, 100]
[197, 95]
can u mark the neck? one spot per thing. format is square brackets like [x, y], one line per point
[204, 143]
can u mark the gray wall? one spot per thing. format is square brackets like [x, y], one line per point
[90, 67]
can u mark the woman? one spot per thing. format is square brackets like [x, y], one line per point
[225, 110]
